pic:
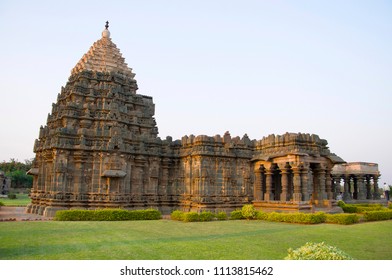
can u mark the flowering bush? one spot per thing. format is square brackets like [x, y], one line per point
[317, 251]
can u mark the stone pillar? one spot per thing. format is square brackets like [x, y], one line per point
[355, 188]
[328, 183]
[284, 169]
[297, 195]
[361, 187]
[346, 192]
[376, 194]
[368, 188]
[269, 195]
[322, 186]
[258, 184]
[336, 186]
[305, 182]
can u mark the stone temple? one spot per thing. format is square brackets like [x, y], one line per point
[100, 149]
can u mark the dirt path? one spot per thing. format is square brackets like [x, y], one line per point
[8, 213]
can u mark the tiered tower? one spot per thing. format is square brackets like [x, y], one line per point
[100, 146]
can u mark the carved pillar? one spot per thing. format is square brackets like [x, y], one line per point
[258, 184]
[336, 186]
[361, 187]
[297, 195]
[355, 188]
[328, 183]
[284, 169]
[305, 182]
[368, 188]
[376, 194]
[322, 194]
[269, 195]
[346, 192]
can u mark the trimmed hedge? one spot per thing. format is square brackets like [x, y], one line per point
[190, 217]
[221, 216]
[317, 251]
[360, 208]
[298, 218]
[342, 219]
[378, 215]
[206, 216]
[107, 215]
[177, 215]
[236, 215]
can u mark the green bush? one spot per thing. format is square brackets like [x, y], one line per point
[248, 211]
[107, 215]
[206, 216]
[390, 206]
[360, 208]
[177, 215]
[341, 203]
[11, 196]
[236, 215]
[350, 208]
[317, 251]
[378, 215]
[221, 216]
[260, 215]
[1, 203]
[191, 217]
[343, 219]
[298, 218]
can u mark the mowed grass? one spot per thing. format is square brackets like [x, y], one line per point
[21, 200]
[171, 240]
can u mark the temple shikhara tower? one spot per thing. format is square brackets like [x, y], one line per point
[100, 148]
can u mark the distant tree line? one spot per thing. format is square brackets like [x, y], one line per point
[17, 172]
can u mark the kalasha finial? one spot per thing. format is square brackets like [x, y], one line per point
[107, 25]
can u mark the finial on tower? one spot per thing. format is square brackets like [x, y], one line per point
[105, 32]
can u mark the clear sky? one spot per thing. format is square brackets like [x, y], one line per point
[255, 67]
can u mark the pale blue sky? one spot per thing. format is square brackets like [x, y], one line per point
[255, 67]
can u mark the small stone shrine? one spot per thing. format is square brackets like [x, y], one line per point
[100, 149]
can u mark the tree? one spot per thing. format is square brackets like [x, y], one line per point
[17, 172]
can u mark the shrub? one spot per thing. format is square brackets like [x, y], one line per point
[12, 196]
[341, 203]
[378, 215]
[317, 251]
[221, 216]
[350, 208]
[248, 211]
[206, 216]
[177, 215]
[260, 215]
[390, 206]
[190, 217]
[298, 218]
[1, 203]
[107, 215]
[343, 219]
[360, 208]
[236, 215]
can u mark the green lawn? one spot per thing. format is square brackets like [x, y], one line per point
[21, 200]
[166, 239]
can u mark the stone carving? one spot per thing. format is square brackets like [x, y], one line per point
[100, 148]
